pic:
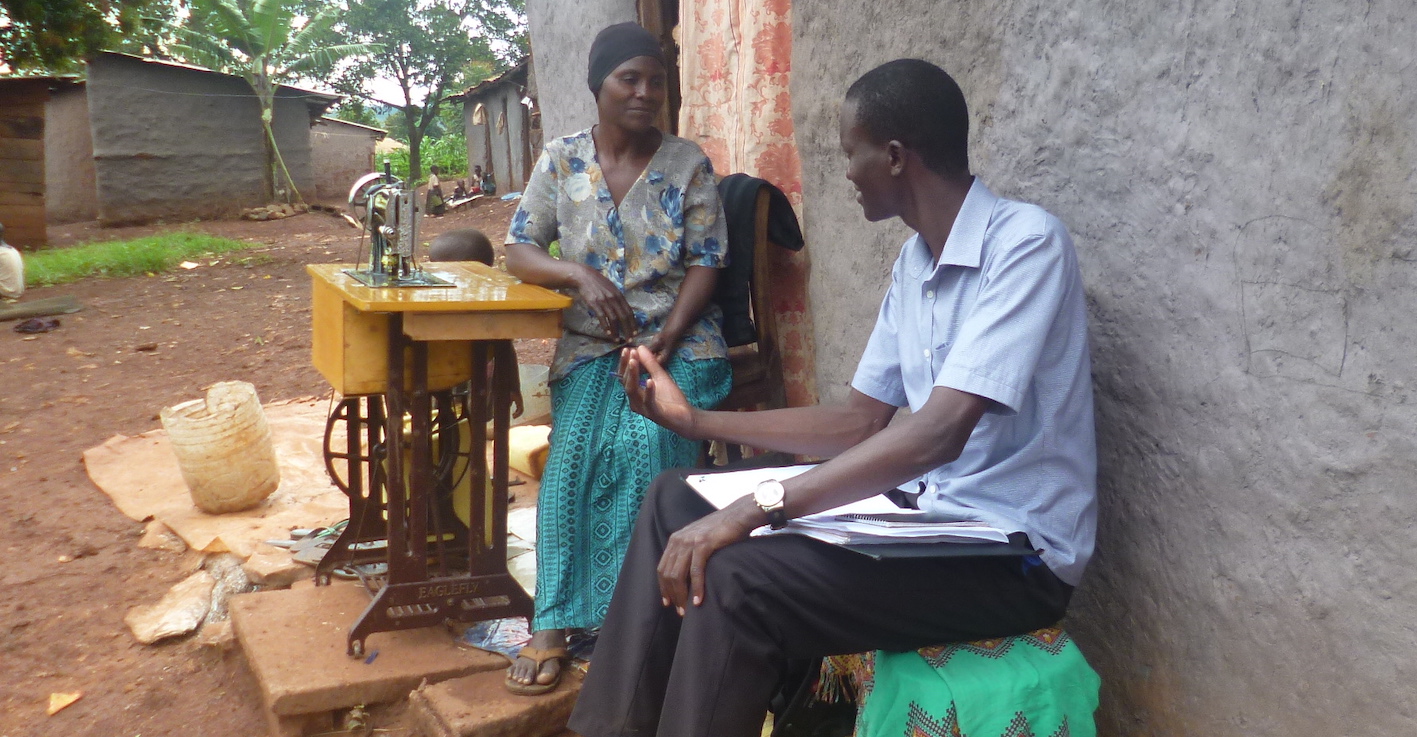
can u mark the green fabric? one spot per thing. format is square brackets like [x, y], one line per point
[603, 457]
[1034, 685]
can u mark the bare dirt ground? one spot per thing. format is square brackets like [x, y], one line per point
[69, 565]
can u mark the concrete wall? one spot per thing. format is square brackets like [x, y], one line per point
[1239, 179]
[173, 143]
[561, 33]
[341, 154]
[70, 193]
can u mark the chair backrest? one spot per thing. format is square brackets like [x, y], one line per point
[764, 316]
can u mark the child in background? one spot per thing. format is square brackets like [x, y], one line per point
[470, 244]
[435, 205]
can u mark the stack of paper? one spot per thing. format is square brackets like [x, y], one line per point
[870, 521]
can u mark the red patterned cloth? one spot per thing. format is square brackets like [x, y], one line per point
[736, 63]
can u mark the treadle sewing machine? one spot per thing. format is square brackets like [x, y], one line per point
[409, 350]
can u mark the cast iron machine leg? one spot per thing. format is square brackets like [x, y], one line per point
[412, 597]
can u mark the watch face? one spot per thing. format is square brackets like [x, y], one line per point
[769, 493]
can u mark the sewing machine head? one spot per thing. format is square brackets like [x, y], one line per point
[389, 212]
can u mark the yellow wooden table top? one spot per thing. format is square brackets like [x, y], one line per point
[479, 288]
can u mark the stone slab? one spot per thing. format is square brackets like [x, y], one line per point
[294, 640]
[480, 706]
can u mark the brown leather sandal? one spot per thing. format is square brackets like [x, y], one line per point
[539, 656]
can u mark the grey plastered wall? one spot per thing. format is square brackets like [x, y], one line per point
[476, 134]
[1239, 180]
[516, 140]
[291, 124]
[499, 109]
[340, 154]
[70, 192]
[561, 32]
[171, 142]
[503, 147]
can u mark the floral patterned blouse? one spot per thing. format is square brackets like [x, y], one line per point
[670, 219]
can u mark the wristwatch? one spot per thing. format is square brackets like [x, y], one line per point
[769, 497]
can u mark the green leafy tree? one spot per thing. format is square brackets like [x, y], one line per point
[265, 43]
[428, 49]
[57, 35]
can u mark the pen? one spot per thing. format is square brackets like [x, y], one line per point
[621, 376]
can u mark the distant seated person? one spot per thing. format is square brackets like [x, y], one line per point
[476, 182]
[12, 270]
[470, 244]
[436, 205]
[489, 185]
[459, 191]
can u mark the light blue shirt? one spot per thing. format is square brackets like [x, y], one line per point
[1000, 315]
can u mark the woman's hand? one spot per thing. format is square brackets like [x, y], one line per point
[658, 397]
[605, 302]
[662, 345]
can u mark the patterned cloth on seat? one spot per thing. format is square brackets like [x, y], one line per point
[1033, 685]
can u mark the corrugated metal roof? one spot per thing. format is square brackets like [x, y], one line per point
[328, 119]
[315, 97]
[486, 85]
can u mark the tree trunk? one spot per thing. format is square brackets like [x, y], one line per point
[279, 174]
[415, 154]
[261, 87]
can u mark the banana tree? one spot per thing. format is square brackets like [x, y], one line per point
[265, 43]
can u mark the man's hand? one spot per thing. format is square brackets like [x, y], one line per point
[658, 397]
[685, 559]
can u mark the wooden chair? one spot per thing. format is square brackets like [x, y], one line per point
[757, 367]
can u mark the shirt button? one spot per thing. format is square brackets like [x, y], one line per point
[930, 294]
[927, 354]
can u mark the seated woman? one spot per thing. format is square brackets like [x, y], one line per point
[642, 238]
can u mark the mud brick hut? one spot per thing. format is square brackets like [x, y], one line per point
[42, 120]
[143, 140]
[172, 141]
[503, 126]
[341, 152]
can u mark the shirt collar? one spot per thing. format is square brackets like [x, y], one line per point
[965, 244]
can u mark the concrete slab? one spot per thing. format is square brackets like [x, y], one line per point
[294, 641]
[479, 706]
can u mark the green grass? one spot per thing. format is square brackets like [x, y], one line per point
[150, 255]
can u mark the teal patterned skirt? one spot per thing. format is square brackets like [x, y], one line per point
[603, 457]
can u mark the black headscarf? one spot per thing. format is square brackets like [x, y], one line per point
[616, 45]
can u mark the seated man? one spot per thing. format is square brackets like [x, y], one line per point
[983, 334]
